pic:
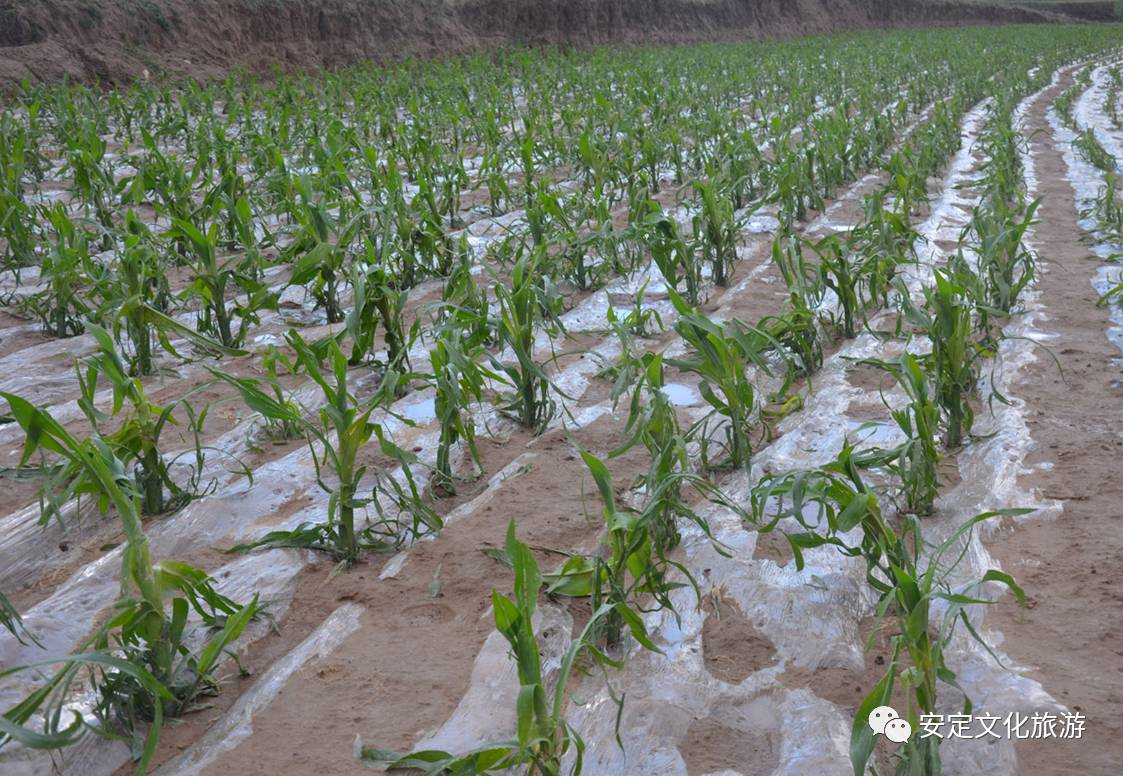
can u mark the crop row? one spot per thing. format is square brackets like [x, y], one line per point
[349, 189]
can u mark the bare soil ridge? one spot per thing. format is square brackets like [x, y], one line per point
[115, 41]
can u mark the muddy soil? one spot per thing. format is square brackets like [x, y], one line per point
[402, 671]
[1070, 633]
[394, 690]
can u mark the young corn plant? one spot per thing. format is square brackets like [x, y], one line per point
[135, 441]
[458, 380]
[797, 328]
[336, 436]
[886, 240]
[629, 366]
[464, 302]
[378, 299]
[672, 254]
[914, 591]
[62, 307]
[143, 664]
[136, 298]
[320, 250]
[794, 188]
[527, 306]
[797, 334]
[715, 230]
[653, 422]
[1094, 153]
[721, 355]
[956, 357]
[551, 223]
[804, 282]
[141, 284]
[361, 323]
[907, 181]
[18, 237]
[640, 540]
[93, 181]
[639, 320]
[214, 279]
[845, 276]
[916, 460]
[1006, 266]
[494, 179]
[543, 738]
[912, 579]
[1108, 210]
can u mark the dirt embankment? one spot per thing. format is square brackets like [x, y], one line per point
[1085, 10]
[114, 41]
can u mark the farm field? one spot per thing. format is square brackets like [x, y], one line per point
[623, 411]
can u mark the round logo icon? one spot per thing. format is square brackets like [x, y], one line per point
[880, 717]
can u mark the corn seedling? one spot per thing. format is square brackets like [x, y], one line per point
[886, 240]
[640, 540]
[17, 216]
[465, 303]
[214, 279]
[143, 664]
[915, 461]
[136, 438]
[672, 254]
[127, 296]
[62, 306]
[639, 320]
[336, 436]
[458, 380]
[721, 355]
[525, 307]
[955, 358]
[1094, 153]
[549, 224]
[378, 300]
[715, 229]
[543, 738]
[854, 276]
[320, 250]
[1005, 266]
[805, 285]
[1108, 210]
[93, 180]
[911, 578]
[796, 333]
[653, 422]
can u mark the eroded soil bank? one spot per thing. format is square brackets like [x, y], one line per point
[115, 41]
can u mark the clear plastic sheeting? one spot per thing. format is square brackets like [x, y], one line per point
[1087, 182]
[270, 574]
[266, 505]
[811, 617]
[1088, 111]
[237, 724]
[494, 684]
[66, 618]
